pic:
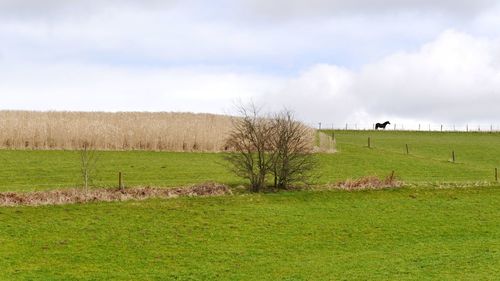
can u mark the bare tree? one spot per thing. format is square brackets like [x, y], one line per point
[250, 140]
[88, 163]
[276, 145]
[292, 144]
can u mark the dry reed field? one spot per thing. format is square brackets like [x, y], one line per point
[163, 131]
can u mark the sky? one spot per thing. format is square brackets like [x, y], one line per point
[330, 61]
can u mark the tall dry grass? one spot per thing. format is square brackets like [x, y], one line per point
[113, 131]
[325, 143]
[160, 131]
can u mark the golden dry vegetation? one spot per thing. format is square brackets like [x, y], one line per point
[113, 131]
[159, 131]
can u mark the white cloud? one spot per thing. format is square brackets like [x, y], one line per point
[332, 61]
[48, 9]
[254, 8]
[285, 9]
[94, 88]
[454, 79]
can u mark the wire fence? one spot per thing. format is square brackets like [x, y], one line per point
[430, 127]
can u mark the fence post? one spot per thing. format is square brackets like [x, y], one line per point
[496, 174]
[453, 156]
[467, 127]
[120, 182]
[369, 144]
[407, 150]
[346, 126]
[419, 127]
[441, 128]
[319, 125]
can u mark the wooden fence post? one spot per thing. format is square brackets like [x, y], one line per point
[407, 150]
[496, 174]
[120, 181]
[453, 156]
[369, 144]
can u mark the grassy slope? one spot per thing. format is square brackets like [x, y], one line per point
[477, 155]
[374, 235]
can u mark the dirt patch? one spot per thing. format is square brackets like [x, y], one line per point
[370, 182]
[73, 196]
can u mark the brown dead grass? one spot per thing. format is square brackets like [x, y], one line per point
[325, 143]
[369, 182]
[165, 131]
[157, 131]
[74, 196]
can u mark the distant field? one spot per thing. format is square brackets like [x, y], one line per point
[429, 159]
[477, 154]
[404, 234]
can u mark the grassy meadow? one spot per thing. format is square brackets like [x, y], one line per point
[403, 234]
[420, 231]
[429, 159]
[429, 162]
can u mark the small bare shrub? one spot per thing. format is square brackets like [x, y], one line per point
[292, 146]
[88, 164]
[278, 146]
[250, 141]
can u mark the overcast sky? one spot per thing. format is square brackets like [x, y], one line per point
[334, 61]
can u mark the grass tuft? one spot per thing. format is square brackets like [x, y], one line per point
[370, 182]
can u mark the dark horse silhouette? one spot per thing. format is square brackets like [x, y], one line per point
[382, 126]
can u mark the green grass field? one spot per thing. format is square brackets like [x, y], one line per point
[477, 154]
[406, 234]
[418, 232]
[429, 158]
